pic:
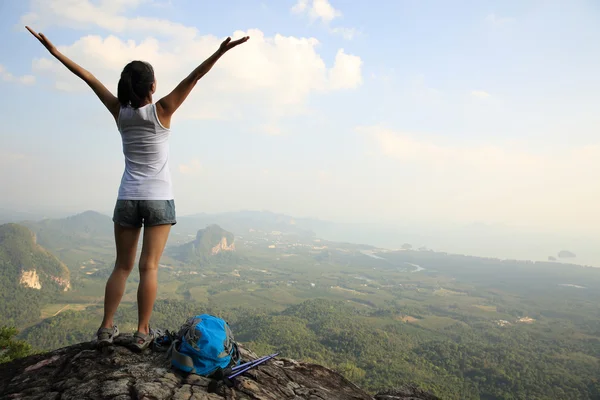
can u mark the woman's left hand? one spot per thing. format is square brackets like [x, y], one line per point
[228, 44]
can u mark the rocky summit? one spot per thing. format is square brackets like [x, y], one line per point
[81, 372]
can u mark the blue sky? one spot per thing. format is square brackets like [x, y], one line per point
[406, 110]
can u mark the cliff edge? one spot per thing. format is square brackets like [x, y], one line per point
[80, 372]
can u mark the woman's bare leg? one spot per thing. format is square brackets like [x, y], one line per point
[126, 240]
[155, 239]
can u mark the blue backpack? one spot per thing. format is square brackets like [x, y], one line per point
[205, 346]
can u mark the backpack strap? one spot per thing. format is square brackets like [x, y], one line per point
[163, 343]
[181, 361]
[235, 354]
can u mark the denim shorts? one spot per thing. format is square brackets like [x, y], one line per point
[135, 213]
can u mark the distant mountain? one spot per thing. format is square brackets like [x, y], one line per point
[209, 242]
[242, 222]
[76, 230]
[91, 230]
[28, 272]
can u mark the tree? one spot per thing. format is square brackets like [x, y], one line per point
[406, 246]
[10, 348]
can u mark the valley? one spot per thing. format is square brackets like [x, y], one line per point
[465, 327]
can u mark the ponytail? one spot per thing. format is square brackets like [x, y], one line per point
[125, 92]
[135, 84]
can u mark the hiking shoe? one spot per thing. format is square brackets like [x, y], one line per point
[105, 336]
[141, 341]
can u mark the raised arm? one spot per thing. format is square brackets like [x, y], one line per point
[105, 96]
[166, 106]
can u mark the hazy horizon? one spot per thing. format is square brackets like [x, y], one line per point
[423, 115]
[475, 239]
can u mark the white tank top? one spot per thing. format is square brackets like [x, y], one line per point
[146, 149]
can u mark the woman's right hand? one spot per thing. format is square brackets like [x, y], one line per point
[43, 40]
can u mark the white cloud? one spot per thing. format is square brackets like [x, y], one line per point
[346, 72]
[496, 20]
[115, 6]
[8, 77]
[505, 182]
[271, 76]
[317, 10]
[322, 10]
[82, 14]
[404, 147]
[300, 7]
[191, 168]
[480, 93]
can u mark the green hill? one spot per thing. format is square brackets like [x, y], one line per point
[209, 242]
[76, 230]
[28, 273]
[78, 238]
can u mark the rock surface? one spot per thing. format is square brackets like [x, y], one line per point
[81, 372]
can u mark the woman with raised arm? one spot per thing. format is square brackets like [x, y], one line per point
[145, 195]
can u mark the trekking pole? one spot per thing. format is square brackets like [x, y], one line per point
[256, 363]
[247, 363]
